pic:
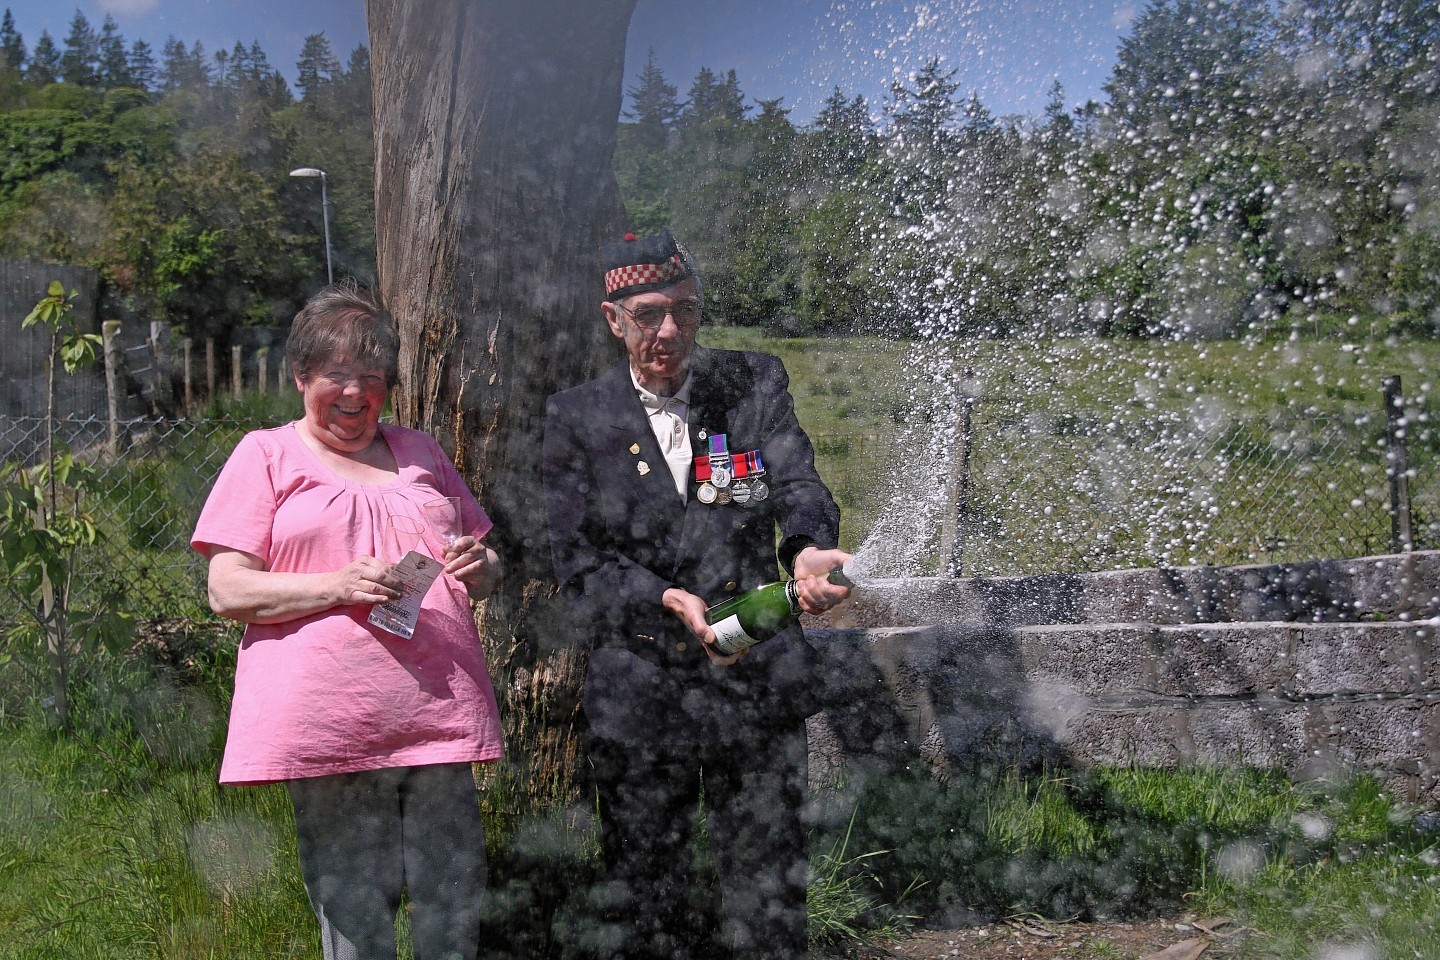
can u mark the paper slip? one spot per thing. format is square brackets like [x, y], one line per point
[399, 616]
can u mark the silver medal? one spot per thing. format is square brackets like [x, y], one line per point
[706, 494]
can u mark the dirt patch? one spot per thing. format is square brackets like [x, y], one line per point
[1175, 938]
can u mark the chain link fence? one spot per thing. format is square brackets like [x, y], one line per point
[1006, 491]
[154, 479]
[1001, 492]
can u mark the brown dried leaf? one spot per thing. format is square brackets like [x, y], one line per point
[1185, 950]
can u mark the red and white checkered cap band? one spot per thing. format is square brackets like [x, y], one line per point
[649, 275]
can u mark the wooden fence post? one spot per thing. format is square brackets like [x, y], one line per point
[161, 386]
[114, 365]
[210, 373]
[1397, 467]
[186, 353]
[237, 372]
[262, 367]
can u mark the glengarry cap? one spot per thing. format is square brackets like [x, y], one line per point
[641, 264]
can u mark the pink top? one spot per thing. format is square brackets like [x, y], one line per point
[328, 693]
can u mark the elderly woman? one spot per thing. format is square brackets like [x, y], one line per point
[373, 734]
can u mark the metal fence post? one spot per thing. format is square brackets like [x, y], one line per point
[1397, 467]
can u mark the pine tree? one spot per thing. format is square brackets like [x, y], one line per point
[172, 71]
[841, 115]
[80, 63]
[730, 103]
[353, 89]
[44, 65]
[317, 66]
[927, 107]
[221, 73]
[1059, 125]
[12, 45]
[114, 69]
[183, 69]
[259, 63]
[703, 101]
[714, 99]
[656, 108]
[977, 117]
[842, 129]
[141, 65]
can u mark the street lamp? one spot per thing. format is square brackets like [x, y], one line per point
[324, 212]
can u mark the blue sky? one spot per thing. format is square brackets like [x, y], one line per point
[1007, 51]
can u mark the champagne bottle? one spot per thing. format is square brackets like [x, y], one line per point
[759, 614]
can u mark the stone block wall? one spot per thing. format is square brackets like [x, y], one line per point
[1321, 669]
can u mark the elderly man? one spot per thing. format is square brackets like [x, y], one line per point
[666, 480]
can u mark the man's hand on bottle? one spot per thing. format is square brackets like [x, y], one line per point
[816, 593]
[691, 611]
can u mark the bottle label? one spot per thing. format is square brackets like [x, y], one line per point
[730, 637]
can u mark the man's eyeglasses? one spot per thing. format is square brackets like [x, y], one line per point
[686, 314]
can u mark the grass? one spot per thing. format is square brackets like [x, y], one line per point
[1310, 867]
[844, 899]
[117, 842]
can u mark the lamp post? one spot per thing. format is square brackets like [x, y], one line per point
[324, 212]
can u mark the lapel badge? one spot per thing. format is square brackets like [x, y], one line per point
[643, 467]
[634, 448]
[703, 434]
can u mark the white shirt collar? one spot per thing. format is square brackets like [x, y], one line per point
[654, 402]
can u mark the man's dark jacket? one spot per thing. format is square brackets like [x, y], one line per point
[621, 536]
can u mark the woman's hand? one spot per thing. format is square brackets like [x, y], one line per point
[474, 564]
[365, 580]
[242, 589]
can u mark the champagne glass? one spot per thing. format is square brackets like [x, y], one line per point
[401, 535]
[443, 516]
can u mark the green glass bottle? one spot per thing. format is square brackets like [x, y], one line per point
[759, 614]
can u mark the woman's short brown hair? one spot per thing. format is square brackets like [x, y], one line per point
[344, 322]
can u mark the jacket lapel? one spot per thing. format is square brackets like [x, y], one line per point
[628, 429]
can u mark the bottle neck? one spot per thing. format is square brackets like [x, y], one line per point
[792, 595]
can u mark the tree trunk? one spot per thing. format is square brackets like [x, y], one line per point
[495, 126]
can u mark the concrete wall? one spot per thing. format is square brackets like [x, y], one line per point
[1319, 668]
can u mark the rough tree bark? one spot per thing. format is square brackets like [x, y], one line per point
[495, 126]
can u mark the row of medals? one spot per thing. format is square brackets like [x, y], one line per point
[723, 487]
